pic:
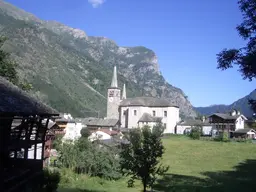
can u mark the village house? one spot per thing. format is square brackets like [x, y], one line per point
[229, 122]
[246, 133]
[71, 127]
[185, 126]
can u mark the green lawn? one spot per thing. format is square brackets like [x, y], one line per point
[194, 166]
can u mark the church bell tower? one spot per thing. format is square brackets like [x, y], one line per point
[113, 98]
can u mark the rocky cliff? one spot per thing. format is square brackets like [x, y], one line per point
[71, 71]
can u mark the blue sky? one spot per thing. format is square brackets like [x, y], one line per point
[185, 35]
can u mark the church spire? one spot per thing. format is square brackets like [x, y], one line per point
[114, 78]
[124, 92]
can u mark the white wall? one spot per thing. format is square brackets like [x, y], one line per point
[150, 124]
[239, 123]
[99, 135]
[181, 128]
[72, 131]
[207, 130]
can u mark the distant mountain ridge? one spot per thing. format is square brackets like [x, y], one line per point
[241, 104]
[71, 71]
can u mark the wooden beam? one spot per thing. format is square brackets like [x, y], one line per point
[39, 125]
[43, 144]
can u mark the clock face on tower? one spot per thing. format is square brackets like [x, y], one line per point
[110, 99]
[111, 93]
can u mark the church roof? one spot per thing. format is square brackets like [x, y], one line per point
[98, 122]
[15, 100]
[193, 122]
[227, 116]
[146, 117]
[146, 102]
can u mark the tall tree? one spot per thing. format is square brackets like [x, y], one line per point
[8, 68]
[141, 158]
[244, 57]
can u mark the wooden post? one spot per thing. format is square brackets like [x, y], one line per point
[19, 136]
[38, 127]
[43, 137]
[28, 135]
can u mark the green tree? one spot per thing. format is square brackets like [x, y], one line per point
[140, 159]
[8, 68]
[195, 132]
[85, 132]
[244, 57]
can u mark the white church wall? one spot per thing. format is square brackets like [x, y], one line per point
[122, 116]
[134, 116]
[172, 119]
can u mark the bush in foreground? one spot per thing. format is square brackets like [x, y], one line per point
[50, 181]
[195, 133]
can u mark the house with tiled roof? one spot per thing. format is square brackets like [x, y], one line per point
[229, 122]
[185, 126]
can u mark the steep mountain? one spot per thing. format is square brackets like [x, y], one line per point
[71, 71]
[241, 104]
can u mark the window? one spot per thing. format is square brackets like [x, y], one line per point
[165, 113]
[135, 112]
[164, 125]
[111, 93]
[123, 112]
[154, 113]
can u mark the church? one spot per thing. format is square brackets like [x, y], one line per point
[139, 111]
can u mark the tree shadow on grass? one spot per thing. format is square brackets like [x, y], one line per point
[76, 190]
[242, 178]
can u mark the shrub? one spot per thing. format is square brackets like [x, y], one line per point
[195, 133]
[85, 132]
[82, 156]
[50, 181]
[225, 137]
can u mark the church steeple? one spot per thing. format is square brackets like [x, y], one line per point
[114, 98]
[114, 78]
[124, 92]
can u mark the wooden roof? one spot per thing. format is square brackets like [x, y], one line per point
[16, 101]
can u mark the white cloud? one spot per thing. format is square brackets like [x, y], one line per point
[96, 3]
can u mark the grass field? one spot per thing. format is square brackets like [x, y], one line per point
[194, 166]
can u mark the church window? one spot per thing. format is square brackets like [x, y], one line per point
[111, 93]
[123, 112]
[165, 113]
[135, 112]
[154, 113]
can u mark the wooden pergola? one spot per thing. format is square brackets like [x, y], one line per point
[23, 125]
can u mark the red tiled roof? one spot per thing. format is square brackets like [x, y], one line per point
[107, 131]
